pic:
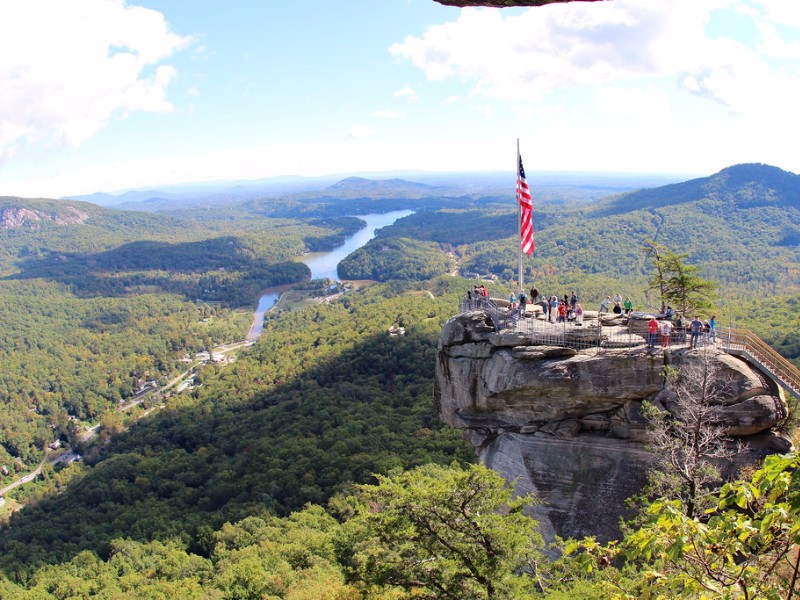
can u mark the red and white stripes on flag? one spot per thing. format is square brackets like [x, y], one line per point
[526, 212]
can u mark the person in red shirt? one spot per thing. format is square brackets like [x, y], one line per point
[562, 313]
[652, 329]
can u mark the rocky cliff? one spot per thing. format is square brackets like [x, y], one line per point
[15, 217]
[567, 423]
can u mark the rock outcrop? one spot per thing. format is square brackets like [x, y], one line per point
[567, 423]
[14, 217]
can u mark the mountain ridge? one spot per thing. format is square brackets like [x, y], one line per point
[746, 185]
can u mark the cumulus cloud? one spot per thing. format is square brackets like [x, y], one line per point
[67, 68]
[407, 92]
[530, 56]
[780, 11]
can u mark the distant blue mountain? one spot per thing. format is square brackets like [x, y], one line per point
[389, 184]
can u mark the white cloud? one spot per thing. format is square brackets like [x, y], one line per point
[361, 131]
[632, 104]
[88, 61]
[385, 114]
[528, 57]
[786, 12]
[407, 92]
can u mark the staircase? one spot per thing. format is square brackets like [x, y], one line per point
[742, 342]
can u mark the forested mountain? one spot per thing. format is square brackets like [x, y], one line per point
[742, 186]
[360, 186]
[95, 302]
[741, 224]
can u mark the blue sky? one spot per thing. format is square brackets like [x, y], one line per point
[106, 95]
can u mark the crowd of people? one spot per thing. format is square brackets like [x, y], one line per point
[672, 327]
[624, 308]
[554, 309]
[700, 332]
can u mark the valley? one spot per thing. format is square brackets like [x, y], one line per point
[325, 400]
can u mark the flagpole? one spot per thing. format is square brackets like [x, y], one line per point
[519, 222]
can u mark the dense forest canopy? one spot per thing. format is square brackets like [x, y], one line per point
[96, 301]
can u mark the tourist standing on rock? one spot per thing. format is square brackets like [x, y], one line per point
[712, 333]
[523, 304]
[617, 303]
[652, 332]
[604, 304]
[545, 308]
[512, 301]
[553, 308]
[483, 296]
[628, 306]
[562, 312]
[534, 294]
[573, 300]
[680, 329]
[695, 327]
[666, 331]
[578, 314]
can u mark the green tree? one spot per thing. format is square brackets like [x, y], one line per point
[445, 532]
[678, 283]
[743, 547]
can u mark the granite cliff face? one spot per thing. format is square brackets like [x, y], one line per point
[567, 424]
[15, 217]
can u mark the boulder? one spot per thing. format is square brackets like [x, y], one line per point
[750, 416]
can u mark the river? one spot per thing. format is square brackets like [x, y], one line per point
[324, 264]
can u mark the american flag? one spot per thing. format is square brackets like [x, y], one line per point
[526, 214]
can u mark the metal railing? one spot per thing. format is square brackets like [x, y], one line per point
[585, 334]
[593, 334]
[745, 342]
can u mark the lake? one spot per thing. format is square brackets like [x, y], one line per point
[325, 264]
